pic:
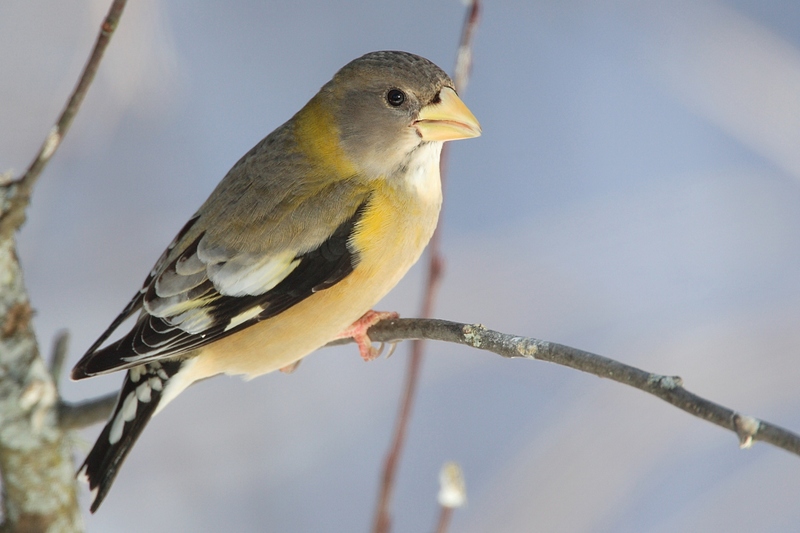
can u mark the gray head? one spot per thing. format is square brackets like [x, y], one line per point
[385, 104]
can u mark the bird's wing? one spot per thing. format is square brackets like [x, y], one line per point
[209, 291]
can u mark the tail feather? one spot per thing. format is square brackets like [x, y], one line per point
[138, 401]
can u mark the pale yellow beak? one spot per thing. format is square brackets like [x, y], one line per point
[447, 120]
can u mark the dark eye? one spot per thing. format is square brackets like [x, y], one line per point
[395, 97]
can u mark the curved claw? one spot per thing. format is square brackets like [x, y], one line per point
[358, 331]
[392, 348]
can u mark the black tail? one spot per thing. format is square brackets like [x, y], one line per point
[138, 400]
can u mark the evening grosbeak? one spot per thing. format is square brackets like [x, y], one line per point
[305, 233]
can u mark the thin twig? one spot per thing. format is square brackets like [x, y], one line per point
[445, 515]
[19, 191]
[85, 414]
[39, 490]
[452, 493]
[464, 56]
[59, 355]
[382, 518]
[668, 388]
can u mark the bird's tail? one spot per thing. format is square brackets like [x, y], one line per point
[138, 401]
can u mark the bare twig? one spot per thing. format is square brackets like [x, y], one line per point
[668, 388]
[382, 518]
[452, 493]
[12, 215]
[38, 476]
[59, 355]
[464, 56]
[445, 515]
[85, 414]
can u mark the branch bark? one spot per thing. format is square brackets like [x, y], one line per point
[668, 388]
[38, 476]
[39, 489]
[88, 413]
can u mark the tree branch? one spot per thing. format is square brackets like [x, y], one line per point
[668, 388]
[58, 356]
[84, 414]
[18, 192]
[38, 476]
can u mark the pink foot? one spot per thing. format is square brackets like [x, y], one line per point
[358, 331]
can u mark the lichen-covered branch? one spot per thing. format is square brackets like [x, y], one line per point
[39, 490]
[668, 388]
[38, 475]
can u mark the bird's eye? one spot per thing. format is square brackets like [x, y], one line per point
[395, 97]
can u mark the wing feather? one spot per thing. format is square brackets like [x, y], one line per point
[185, 305]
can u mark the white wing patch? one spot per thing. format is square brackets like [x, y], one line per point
[143, 392]
[174, 306]
[186, 266]
[251, 274]
[244, 317]
[171, 283]
[194, 321]
[232, 274]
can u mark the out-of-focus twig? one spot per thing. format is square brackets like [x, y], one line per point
[452, 493]
[382, 517]
[12, 215]
[87, 413]
[38, 474]
[445, 515]
[59, 355]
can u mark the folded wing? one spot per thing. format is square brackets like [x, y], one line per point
[208, 292]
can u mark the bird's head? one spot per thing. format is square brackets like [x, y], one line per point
[385, 105]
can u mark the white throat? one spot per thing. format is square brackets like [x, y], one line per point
[421, 176]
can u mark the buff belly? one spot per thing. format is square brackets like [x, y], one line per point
[390, 238]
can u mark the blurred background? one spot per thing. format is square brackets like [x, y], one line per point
[636, 193]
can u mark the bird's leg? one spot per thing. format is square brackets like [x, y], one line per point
[358, 331]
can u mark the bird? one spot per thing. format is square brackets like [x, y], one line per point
[292, 249]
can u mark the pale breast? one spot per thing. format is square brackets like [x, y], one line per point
[390, 237]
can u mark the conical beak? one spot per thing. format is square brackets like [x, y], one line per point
[447, 120]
